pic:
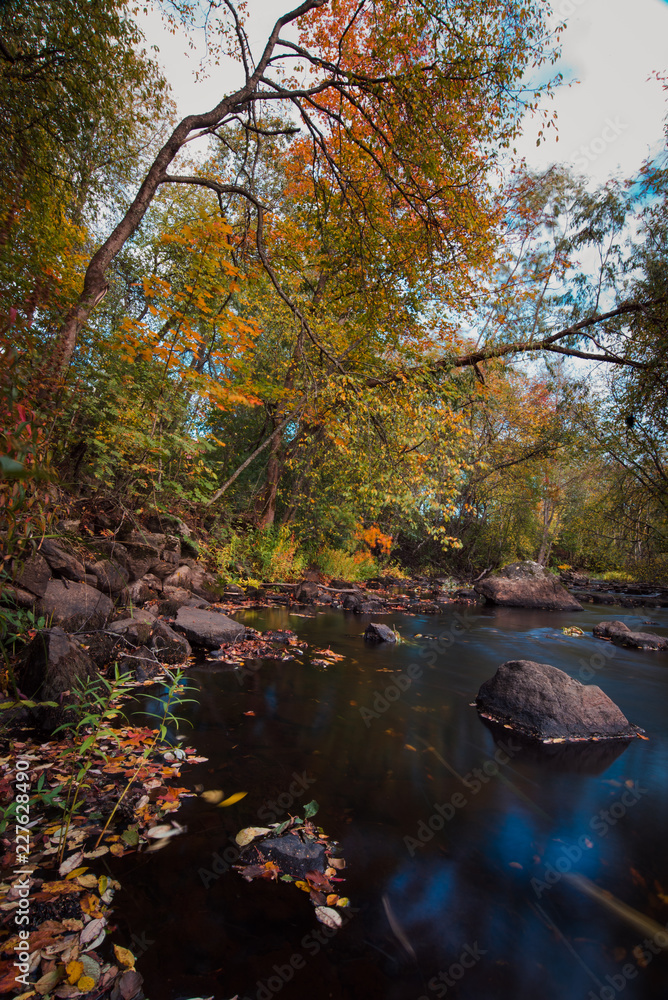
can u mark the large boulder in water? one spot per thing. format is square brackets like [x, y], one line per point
[622, 635]
[207, 628]
[544, 703]
[526, 585]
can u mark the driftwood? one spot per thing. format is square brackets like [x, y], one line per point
[320, 586]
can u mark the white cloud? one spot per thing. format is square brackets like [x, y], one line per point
[613, 117]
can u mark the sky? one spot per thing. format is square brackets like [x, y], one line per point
[610, 113]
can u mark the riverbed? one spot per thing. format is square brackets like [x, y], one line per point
[476, 867]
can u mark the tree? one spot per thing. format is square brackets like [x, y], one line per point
[375, 79]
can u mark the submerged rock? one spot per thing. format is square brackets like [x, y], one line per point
[622, 635]
[543, 702]
[293, 856]
[379, 633]
[527, 585]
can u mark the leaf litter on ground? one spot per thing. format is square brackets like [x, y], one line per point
[69, 901]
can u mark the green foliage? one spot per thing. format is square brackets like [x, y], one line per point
[346, 566]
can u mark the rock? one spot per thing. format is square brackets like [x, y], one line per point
[139, 591]
[152, 581]
[112, 549]
[351, 602]
[111, 577]
[341, 585]
[156, 553]
[370, 607]
[19, 598]
[141, 662]
[61, 561]
[75, 606]
[168, 645]
[307, 592]
[622, 635]
[544, 703]
[137, 630]
[69, 525]
[177, 595]
[526, 585]
[197, 602]
[182, 577]
[293, 856]
[379, 633]
[51, 665]
[207, 628]
[465, 594]
[205, 584]
[32, 574]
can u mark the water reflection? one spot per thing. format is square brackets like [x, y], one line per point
[458, 840]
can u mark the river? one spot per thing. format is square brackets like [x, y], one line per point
[476, 868]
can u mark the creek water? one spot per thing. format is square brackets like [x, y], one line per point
[474, 869]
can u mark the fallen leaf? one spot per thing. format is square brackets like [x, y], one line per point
[48, 982]
[87, 881]
[249, 713]
[124, 956]
[74, 972]
[214, 796]
[165, 830]
[237, 797]
[249, 834]
[304, 886]
[515, 864]
[91, 930]
[329, 917]
[69, 864]
[97, 853]
[129, 984]
[407, 746]
[77, 872]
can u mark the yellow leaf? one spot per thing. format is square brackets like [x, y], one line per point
[124, 956]
[214, 796]
[74, 972]
[304, 886]
[77, 872]
[86, 984]
[232, 799]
